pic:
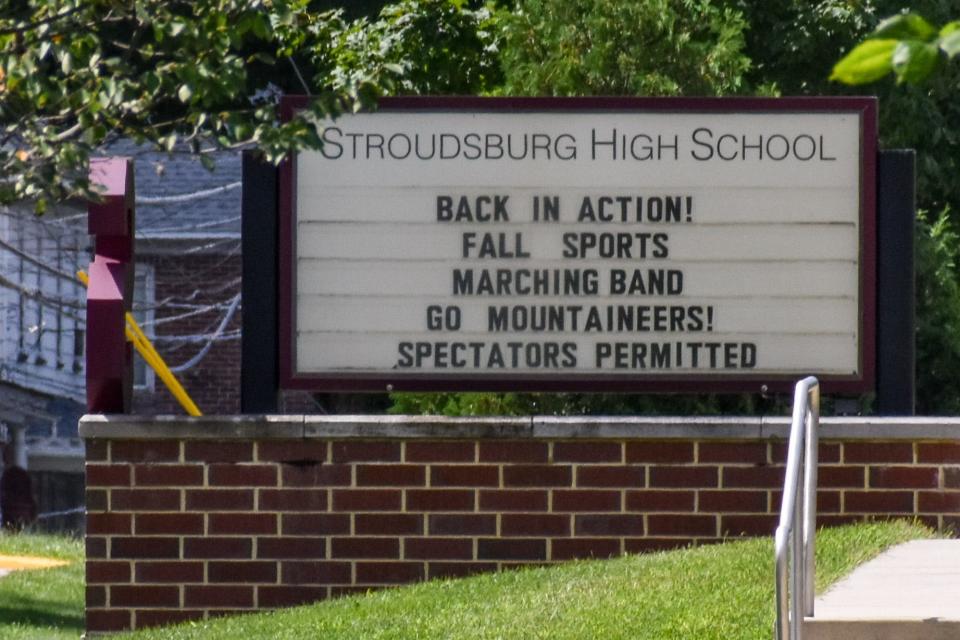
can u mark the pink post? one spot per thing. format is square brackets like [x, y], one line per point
[111, 222]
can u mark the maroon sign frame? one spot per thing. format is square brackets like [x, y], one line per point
[864, 107]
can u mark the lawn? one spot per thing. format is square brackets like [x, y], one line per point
[721, 592]
[45, 604]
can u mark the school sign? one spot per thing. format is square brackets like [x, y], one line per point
[589, 244]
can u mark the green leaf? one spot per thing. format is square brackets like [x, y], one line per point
[949, 28]
[867, 62]
[907, 26]
[950, 42]
[913, 60]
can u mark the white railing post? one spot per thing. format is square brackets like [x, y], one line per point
[795, 540]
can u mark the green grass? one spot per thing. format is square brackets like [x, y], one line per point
[44, 604]
[722, 592]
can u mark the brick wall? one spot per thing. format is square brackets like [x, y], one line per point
[182, 528]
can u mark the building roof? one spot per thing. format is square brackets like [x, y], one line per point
[179, 199]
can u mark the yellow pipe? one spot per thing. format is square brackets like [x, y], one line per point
[149, 354]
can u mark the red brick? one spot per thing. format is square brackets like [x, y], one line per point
[315, 524]
[170, 523]
[443, 451]
[242, 572]
[388, 524]
[142, 548]
[209, 548]
[437, 570]
[315, 572]
[537, 475]
[389, 572]
[827, 453]
[466, 475]
[540, 524]
[108, 620]
[660, 500]
[288, 548]
[366, 500]
[608, 525]
[438, 549]
[586, 451]
[833, 520]
[108, 475]
[827, 501]
[170, 475]
[219, 596]
[440, 500]
[232, 524]
[103, 572]
[360, 547]
[513, 451]
[669, 452]
[242, 475]
[681, 525]
[219, 499]
[293, 500]
[147, 618]
[515, 549]
[212, 451]
[586, 500]
[292, 450]
[96, 500]
[462, 524]
[272, 597]
[364, 451]
[145, 451]
[326, 475]
[177, 572]
[144, 596]
[733, 452]
[391, 475]
[513, 500]
[904, 477]
[95, 547]
[95, 596]
[684, 476]
[612, 476]
[847, 477]
[651, 545]
[109, 523]
[573, 548]
[752, 525]
[876, 452]
[748, 477]
[725, 501]
[937, 452]
[96, 450]
[145, 499]
[939, 501]
[878, 502]
[951, 477]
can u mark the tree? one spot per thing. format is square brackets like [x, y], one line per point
[78, 73]
[906, 45]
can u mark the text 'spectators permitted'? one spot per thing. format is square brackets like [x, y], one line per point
[435, 244]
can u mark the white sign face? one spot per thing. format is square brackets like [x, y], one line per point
[550, 245]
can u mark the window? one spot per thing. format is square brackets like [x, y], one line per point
[143, 312]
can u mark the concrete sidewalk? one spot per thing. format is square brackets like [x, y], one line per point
[910, 592]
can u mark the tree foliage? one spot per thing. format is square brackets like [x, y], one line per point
[610, 47]
[205, 74]
[906, 45]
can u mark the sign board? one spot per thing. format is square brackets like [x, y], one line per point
[582, 244]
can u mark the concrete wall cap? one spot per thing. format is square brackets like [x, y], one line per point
[257, 427]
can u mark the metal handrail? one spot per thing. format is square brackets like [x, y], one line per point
[795, 571]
